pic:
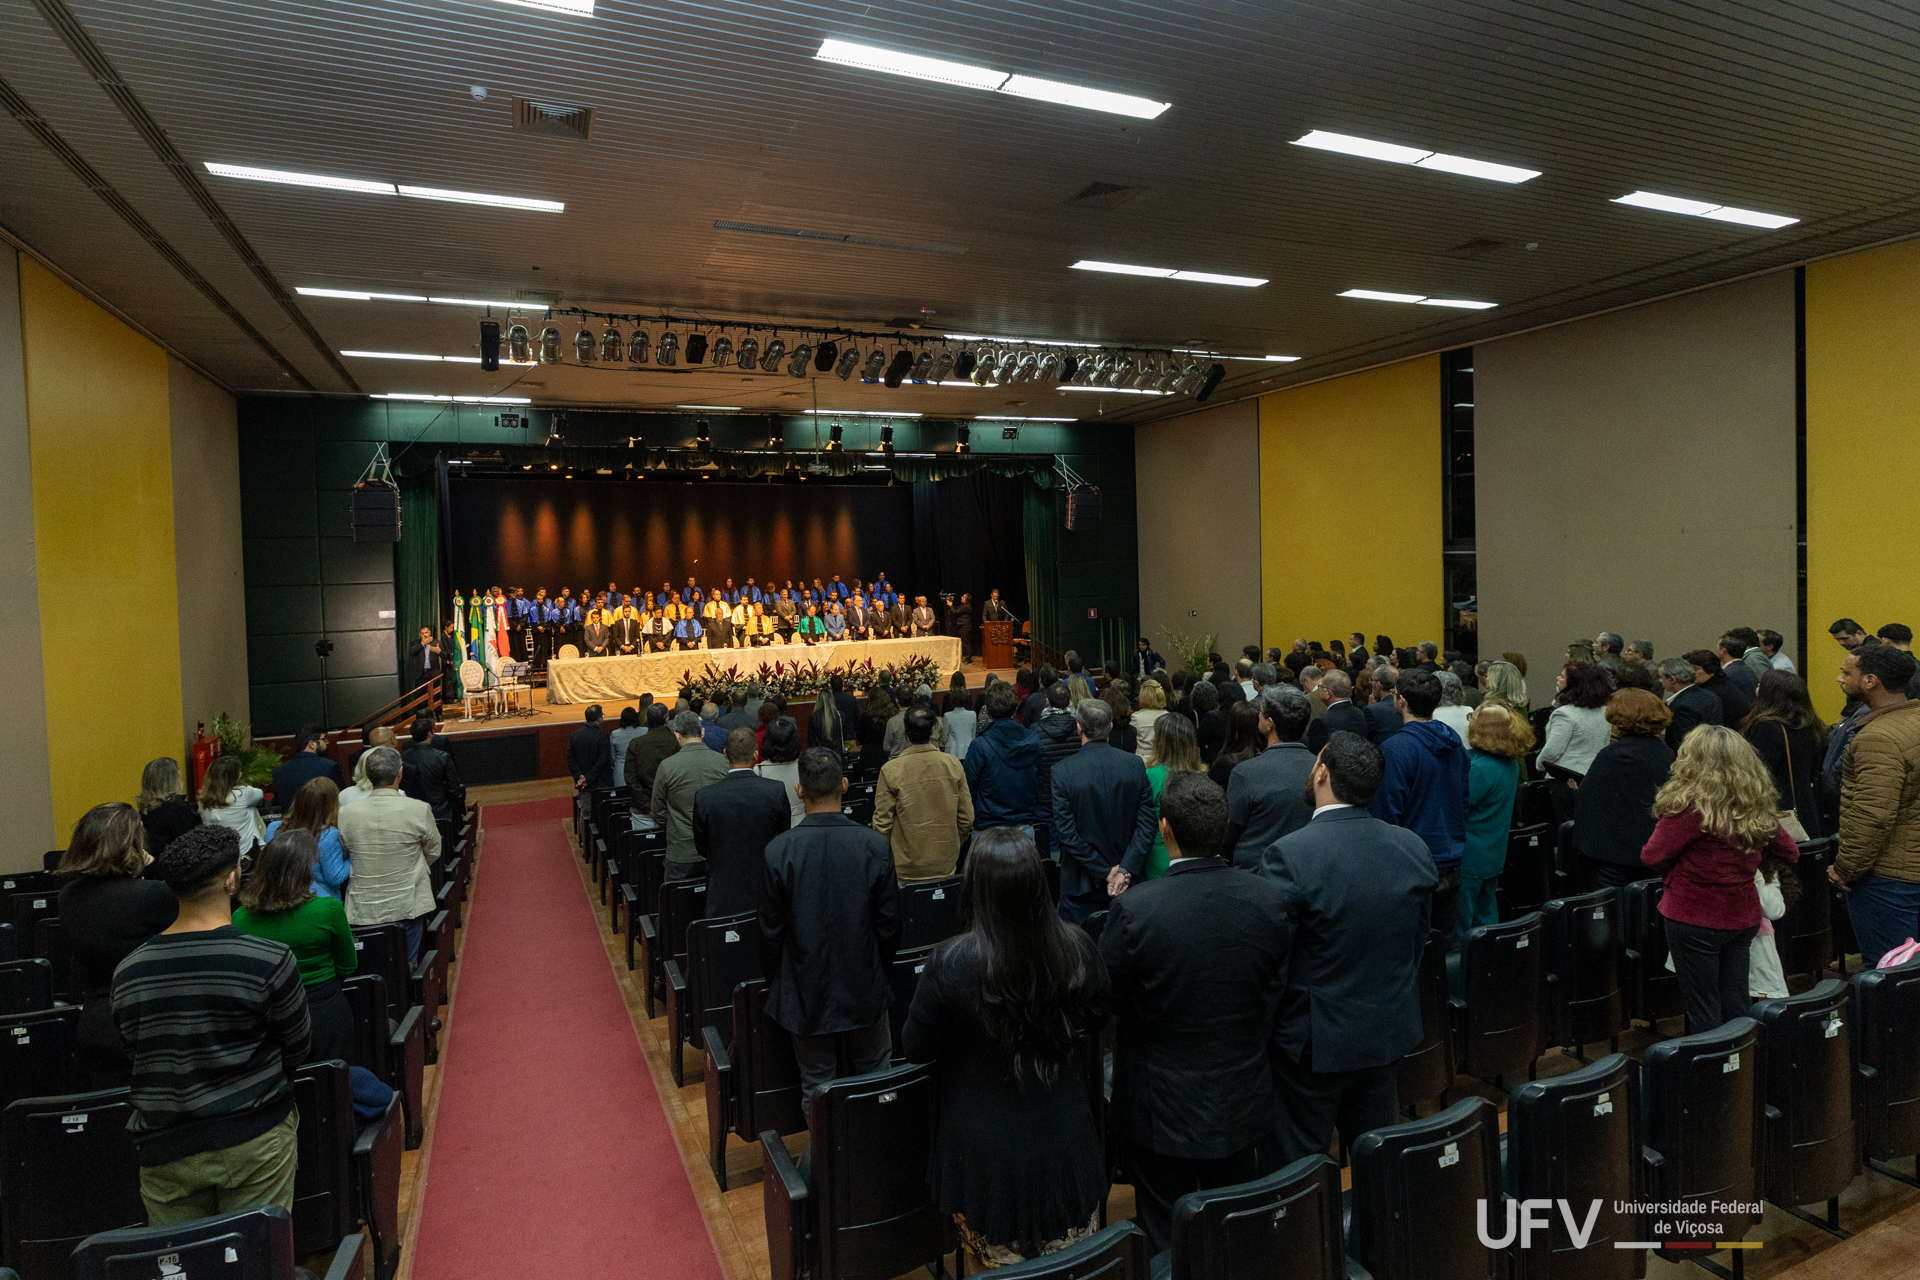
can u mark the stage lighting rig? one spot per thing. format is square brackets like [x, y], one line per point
[963, 365]
[509, 421]
[549, 345]
[639, 347]
[1207, 384]
[702, 433]
[612, 348]
[749, 352]
[849, 361]
[1009, 433]
[876, 363]
[983, 368]
[942, 368]
[922, 368]
[668, 350]
[963, 439]
[696, 348]
[824, 355]
[722, 350]
[897, 368]
[798, 362]
[490, 345]
[776, 351]
[833, 438]
[583, 345]
[519, 347]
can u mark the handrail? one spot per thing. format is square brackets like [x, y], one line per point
[405, 707]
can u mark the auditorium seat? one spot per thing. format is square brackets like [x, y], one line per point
[256, 1244]
[1499, 1001]
[36, 1053]
[40, 882]
[1652, 989]
[29, 908]
[1584, 1004]
[448, 900]
[721, 954]
[753, 1083]
[1701, 1122]
[866, 1210]
[929, 912]
[1427, 1071]
[67, 1170]
[1287, 1224]
[1844, 943]
[858, 801]
[393, 1051]
[1526, 882]
[9, 948]
[1886, 1052]
[1804, 936]
[324, 1207]
[1416, 1192]
[50, 944]
[1533, 806]
[1576, 1138]
[440, 936]
[26, 985]
[903, 975]
[664, 937]
[1812, 1146]
[378, 1146]
[1118, 1252]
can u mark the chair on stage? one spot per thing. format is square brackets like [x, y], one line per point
[473, 684]
[567, 653]
[516, 678]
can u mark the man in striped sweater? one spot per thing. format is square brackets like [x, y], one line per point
[215, 1021]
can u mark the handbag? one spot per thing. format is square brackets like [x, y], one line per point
[1790, 818]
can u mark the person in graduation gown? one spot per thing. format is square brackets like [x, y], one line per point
[741, 616]
[691, 592]
[688, 633]
[809, 628]
[626, 632]
[835, 622]
[657, 632]
[759, 629]
[598, 637]
[750, 594]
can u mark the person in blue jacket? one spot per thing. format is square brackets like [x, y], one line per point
[1424, 786]
[836, 622]
[1002, 766]
[687, 633]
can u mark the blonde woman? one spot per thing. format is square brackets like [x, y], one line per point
[165, 811]
[1176, 749]
[1498, 736]
[1504, 683]
[1153, 704]
[1718, 817]
[226, 801]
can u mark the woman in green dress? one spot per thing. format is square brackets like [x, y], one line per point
[1176, 749]
[278, 902]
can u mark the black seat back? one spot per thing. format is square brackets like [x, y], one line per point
[1427, 1070]
[1287, 1224]
[67, 1170]
[36, 1053]
[26, 985]
[9, 946]
[28, 908]
[1812, 1148]
[50, 944]
[721, 954]
[872, 1144]
[260, 1241]
[1886, 1049]
[1652, 990]
[1500, 1009]
[929, 912]
[382, 949]
[1804, 936]
[904, 976]
[1119, 1252]
[769, 1089]
[1576, 1138]
[1584, 1002]
[650, 851]
[681, 903]
[13, 882]
[1533, 807]
[1526, 882]
[1700, 1113]
[366, 995]
[1416, 1192]
[323, 1203]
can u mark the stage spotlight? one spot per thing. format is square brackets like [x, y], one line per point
[722, 350]
[963, 365]
[612, 349]
[1009, 433]
[1029, 365]
[922, 367]
[824, 355]
[1069, 369]
[776, 441]
[983, 369]
[702, 434]
[1168, 377]
[1211, 381]
[849, 361]
[519, 348]
[876, 362]
[833, 439]
[1148, 375]
[963, 439]
[797, 363]
[668, 352]
[490, 345]
[886, 440]
[749, 352]
[1009, 362]
[776, 351]
[942, 367]
[1049, 370]
[583, 345]
[696, 348]
[898, 367]
[549, 345]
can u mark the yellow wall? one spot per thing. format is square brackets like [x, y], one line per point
[98, 428]
[1863, 424]
[1350, 487]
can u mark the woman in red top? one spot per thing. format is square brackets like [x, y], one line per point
[1718, 814]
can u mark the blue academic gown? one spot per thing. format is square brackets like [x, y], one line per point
[688, 629]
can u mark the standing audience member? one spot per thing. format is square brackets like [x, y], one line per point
[1707, 673]
[1153, 703]
[1383, 714]
[309, 760]
[431, 777]
[1242, 743]
[1336, 689]
[1613, 810]
[165, 811]
[740, 716]
[780, 749]
[227, 802]
[395, 841]
[1504, 683]
[278, 903]
[215, 1022]
[1119, 699]
[1359, 893]
[316, 809]
[1002, 766]
[1716, 821]
[1497, 738]
[1266, 796]
[1576, 731]
[1175, 750]
[1690, 703]
[1103, 817]
[1210, 725]
[1198, 960]
[642, 765]
[921, 804]
[959, 718]
[1878, 862]
[1790, 739]
[106, 910]
[589, 755]
[733, 821]
[631, 727]
[1058, 735]
[1005, 1008]
[1423, 786]
[829, 926]
[679, 779]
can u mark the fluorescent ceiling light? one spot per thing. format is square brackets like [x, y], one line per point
[1461, 303]
[579, 8]
[1196, 351]
[1701, 209]
[1393, 153]
[1073, 95]
[1167, 273]
[298, 179]
[484, 302]
[403, 395]
[1207, 277]
[1749, 218]
[1125, 391]
[1007, 417]
[1122, 269]
[407, 355]
[1375, 295]
[476, 197]
[716, 408]
[855, 413]
[356, 295]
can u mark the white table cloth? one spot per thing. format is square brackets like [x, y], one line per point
[625, 678]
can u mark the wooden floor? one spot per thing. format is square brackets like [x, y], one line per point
[1882, 1214]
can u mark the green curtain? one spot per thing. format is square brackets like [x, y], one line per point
[1040, 530]
[417, 597]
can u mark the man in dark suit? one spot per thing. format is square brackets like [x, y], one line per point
[1707, 673]
[1383, 717]
[739, 717]
[1198, 961]
[1692, 704]
[733, 821]
[1268, 801]
[429, 774]
[1336, 687]
[1102, 817]
[624, 634]
[900, 619]
[423, 660]
[829, 925]
[589, 754]
[1359, 892]
[859, 619]
[309, 761]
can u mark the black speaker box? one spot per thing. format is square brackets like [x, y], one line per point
[1083, 507]
[376, 512]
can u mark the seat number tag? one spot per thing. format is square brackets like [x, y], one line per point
[79, 1119]
[1731, 1064]
[359, 945]
[1833, 1026]
[1599, 913]
[1522, 942]
[733, 935]
[888, 1097]
[39, 904]
[1451, 1156]
[938, 895]
[1603, 1105]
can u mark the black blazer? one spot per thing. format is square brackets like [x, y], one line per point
[1734, 703]
[1613, 809]
[1103, 817]
[1383, 721]
[428, 774]
[1341, 716]
[733, 821]
[626, 631]
[1692, 707]
[418, 673]
[1198, 963]
[289, 777]
[829, 925]
[1359, 892]
[590, 756]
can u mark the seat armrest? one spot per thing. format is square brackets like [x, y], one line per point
[346, 1259]
[406, 1062]
[789, 1210]
[718, 1086]
[1357, 1272]
[677, 1014]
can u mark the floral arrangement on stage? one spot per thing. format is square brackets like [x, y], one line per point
[802, 681]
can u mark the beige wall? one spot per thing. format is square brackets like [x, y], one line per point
[1635, 473]
[206, 540]
[1198, 481]
[26, 799]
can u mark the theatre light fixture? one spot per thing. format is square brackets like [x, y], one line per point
[1392, 153]
[833, 438]
[702, 432]
[1702, 209]
[967, 76]
[639, 347]
[749, 352]
[696, 348]
[722, 351]
[667, 352]
[549, 345]
[519, 347]
[583, 346]
[849, 361]
[612, 348]
[963, 439]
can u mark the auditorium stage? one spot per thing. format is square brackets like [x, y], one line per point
[578, 680]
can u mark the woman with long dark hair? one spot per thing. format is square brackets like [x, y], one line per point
[278, 902]
[1791, 741]
[106, 910]
[1243, 742]
[1003, 1008]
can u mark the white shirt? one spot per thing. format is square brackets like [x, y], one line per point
[1246, 686]
[241, 814]
[1329, 808]
[1781, 662]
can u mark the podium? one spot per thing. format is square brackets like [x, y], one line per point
[996, 644]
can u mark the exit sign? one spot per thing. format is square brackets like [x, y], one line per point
[1093, 613]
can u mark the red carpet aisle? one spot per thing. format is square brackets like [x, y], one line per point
[551, 1154]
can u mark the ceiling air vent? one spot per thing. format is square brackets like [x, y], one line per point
[538, 297]
[1103, 195]
[1475, 248]
[552, 119]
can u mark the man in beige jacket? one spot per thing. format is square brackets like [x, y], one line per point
[1878, 863]
[392, 840]
[922, 804]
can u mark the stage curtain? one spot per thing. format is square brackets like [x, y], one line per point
[1042, 547]
[417, 593]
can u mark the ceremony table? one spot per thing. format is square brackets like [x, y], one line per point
[624, 678]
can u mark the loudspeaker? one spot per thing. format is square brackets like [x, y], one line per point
[696, 348]
[376, 512]
[490, 345]
[1083, 507]
[1211, 381]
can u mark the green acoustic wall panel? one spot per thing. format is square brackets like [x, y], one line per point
[278, 610]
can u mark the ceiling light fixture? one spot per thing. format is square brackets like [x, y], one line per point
[1702, 209]
[403, 395]
[711, 408]
[967, 76]
[583, 346]
[578, 8]
[1168, 273]
[355, 295]
[855, 413]
[299, 179]
[478, 197]
[1132, 391]
[549, 345]
[1392, 153]
[519, 348]
[1014, 417]
[1375, 295]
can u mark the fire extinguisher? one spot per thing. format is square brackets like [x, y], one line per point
[205, 751]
